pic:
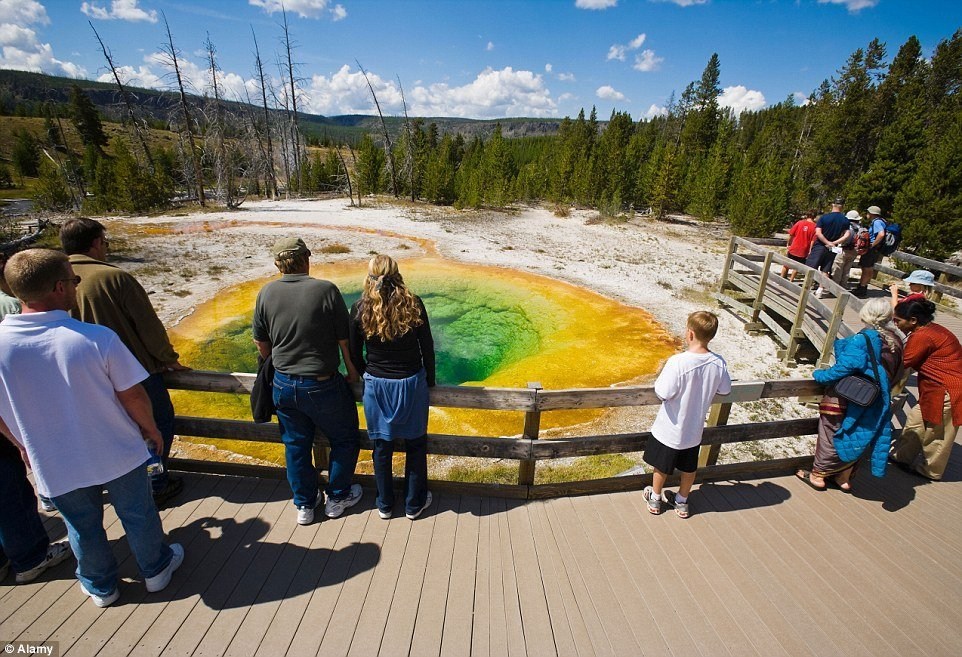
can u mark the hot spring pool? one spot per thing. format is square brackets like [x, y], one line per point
[492, 327]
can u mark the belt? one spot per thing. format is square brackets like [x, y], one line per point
[299, 377]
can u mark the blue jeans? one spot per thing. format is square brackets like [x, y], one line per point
[304, 405]
[23, 539]
[83, 513]
[415, 473]
[164, 418]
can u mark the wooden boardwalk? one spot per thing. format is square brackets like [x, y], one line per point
[763, 567]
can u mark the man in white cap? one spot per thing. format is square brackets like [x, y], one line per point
[844, 260]
[876, 235]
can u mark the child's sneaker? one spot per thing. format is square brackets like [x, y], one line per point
[654, 506]
[681, 508]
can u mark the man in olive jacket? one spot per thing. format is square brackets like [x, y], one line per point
[111, 297]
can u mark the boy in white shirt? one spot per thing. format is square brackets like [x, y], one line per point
[686, 385]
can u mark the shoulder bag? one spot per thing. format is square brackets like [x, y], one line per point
[859, 389]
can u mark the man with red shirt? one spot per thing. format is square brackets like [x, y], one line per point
[801, 236]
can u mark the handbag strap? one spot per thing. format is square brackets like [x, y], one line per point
[871, 355]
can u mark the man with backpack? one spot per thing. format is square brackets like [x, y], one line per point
[876, 235]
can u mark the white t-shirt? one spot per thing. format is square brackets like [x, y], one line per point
[687, 384]
[58, 378]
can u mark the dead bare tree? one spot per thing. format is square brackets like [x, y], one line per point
[387, 137]
[271, 176]
[291, 65]
[281, 101]
[125, 96]
[354, 160]
[172, 60]
[409, 138]
[224, 162]
[347, 174]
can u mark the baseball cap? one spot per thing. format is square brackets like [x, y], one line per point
[289, 245]
[874, 209]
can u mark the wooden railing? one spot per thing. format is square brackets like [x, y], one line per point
[527, 449]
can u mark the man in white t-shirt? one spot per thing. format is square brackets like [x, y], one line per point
[70, 396]
[686, 385]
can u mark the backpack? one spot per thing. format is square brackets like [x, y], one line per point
[862, 241]
[854, 228]
[893, 237]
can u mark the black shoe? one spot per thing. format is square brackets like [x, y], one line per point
[861, 292]
[170, 491]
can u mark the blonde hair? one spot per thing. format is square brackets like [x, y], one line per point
[877, 313]
[703, 324]
[388, 309]
[33, 274]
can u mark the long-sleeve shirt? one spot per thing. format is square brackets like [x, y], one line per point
[935, 353]
[109, 296]
[399, 358]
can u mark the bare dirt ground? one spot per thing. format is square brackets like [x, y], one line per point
[666, 268]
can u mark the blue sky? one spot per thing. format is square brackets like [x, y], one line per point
[479, 58]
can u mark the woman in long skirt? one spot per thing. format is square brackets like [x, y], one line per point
[391, 345]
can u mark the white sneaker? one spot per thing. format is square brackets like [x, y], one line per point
[819, 293]
[101, 601]
[160, 581]
[305, 514]
[334, 509]
[56, 553]
[427, 503]
[385, 515]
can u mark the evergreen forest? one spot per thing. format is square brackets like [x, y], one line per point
[884, 129]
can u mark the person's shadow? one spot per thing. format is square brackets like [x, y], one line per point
[230, 565]
[727, 496]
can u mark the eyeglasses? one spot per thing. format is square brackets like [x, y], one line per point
[75, 280]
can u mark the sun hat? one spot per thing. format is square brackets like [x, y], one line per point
[874, 209]
[289, 245]
[921, 277]
[853, 215]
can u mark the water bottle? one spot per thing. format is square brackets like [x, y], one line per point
[155, 464]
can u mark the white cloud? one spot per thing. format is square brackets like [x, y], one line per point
[801, 98]
[303, 8]
[741, 99]
[853, 6]
[595, 4]
[23, 12]
[647, 61]
[566, 77]
[121, 10]
[565, 97]
[493, 94]
[656, 110]
[618, 51]
[21, 48]
[490, 46]
[684, 3]
[547, 68]
[607, 92]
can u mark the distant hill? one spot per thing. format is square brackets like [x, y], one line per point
[23, 94]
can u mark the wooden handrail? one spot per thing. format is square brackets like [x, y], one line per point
[526, 449]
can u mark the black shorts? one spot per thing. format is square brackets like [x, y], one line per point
[666, 459]
[870, 258]
[792, 256]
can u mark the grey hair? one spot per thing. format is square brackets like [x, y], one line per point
[877, 313]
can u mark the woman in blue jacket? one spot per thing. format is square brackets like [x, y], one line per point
[846, 430]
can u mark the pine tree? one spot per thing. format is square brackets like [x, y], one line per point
[25, 155]
[86, 119]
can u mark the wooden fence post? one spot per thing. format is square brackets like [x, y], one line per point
[796, 332]
[943, 279]
[532, 427]
[759, 304]
[834, 324]
[717, 417]
[728, 263]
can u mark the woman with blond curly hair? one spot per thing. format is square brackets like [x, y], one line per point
[391, 345]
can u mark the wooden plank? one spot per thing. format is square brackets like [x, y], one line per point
[458, 630]
[489, 633]
[514, 633]
[567, 624]
[384, 583]
[925, 263]
[429, 624]
[620, 560]
[337, 554]
[399, 627]
[538, 637]
[140, 617]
